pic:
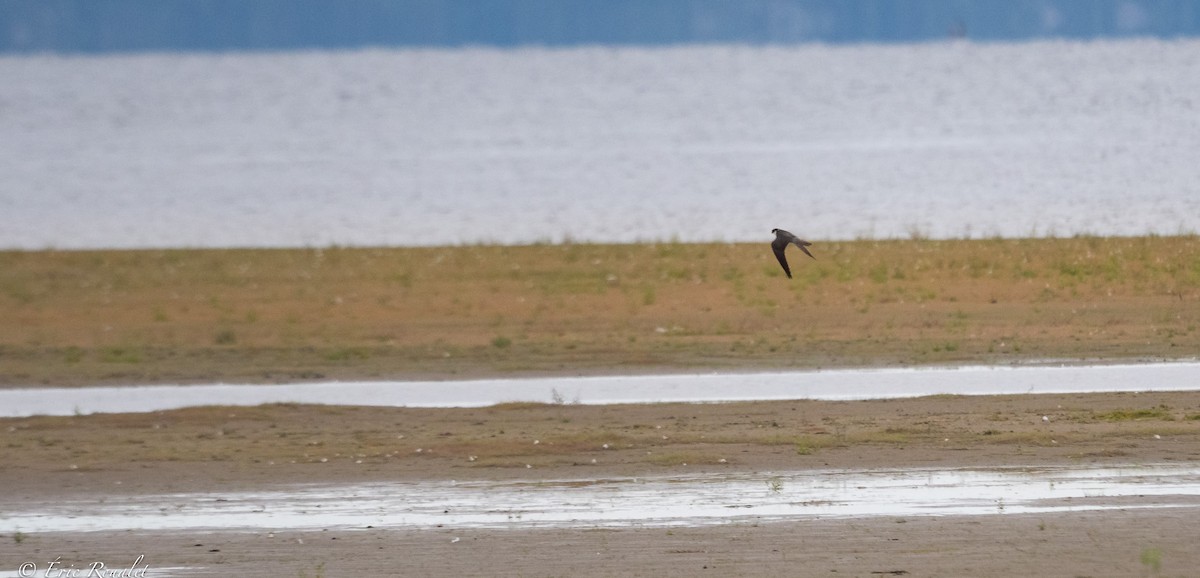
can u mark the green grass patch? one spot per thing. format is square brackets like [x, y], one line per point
[347, 354]
[73, 354]
[683, 458]
[120, 355]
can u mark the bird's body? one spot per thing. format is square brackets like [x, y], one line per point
[781, 242]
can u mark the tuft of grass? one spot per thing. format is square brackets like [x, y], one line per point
[1152, 559]
[501, 342]
[120, 355]
[347, 354]
[225, 337]
[73, 354]
[649, 295]
[18, 537]
[683, 458]
[320, 572]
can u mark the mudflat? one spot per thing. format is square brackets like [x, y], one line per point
[214, 450]
[130, 317]
[220, 446]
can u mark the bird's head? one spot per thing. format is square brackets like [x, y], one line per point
[773, 231]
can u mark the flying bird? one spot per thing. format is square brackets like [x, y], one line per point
[781, 242]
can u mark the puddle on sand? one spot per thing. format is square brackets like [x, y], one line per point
[840, 384]
[663, 501]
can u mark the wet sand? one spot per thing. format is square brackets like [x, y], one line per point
[222, 449]
[1116, 543]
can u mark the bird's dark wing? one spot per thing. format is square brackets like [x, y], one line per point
[778, 249]
[804, 247]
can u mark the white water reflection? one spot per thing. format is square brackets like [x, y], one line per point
[845, 384]
[632, 502]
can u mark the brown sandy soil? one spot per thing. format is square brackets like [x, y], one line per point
[224, 449]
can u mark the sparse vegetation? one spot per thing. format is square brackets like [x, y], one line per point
[1151, 558]
[682, 458]
[288, 314]
[319, 573]
[548, 434]
[1158, 413]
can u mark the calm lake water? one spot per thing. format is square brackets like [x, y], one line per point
[701, 143]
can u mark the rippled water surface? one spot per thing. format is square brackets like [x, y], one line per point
[695, 143]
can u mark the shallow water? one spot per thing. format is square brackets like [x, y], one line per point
[702, 499]
[842, 384]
